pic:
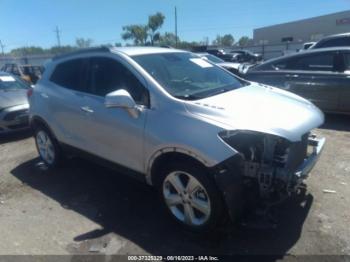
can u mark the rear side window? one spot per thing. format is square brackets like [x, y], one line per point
[342, 41]
[71, 74]
[347, 62]
[315, 62]
[275, 65]
[108, 75]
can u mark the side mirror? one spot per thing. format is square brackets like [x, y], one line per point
[120, 98]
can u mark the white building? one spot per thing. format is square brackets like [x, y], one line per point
[306, 30]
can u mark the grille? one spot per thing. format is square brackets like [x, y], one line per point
[12, 115]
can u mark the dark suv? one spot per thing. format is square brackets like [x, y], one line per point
[333, 41]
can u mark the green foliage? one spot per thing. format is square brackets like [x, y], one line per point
[244, 41]
[137, 33]
[31, 50]
[155, 22]
[56, 50]
[226, 40]
[168, 39]
[83, 43]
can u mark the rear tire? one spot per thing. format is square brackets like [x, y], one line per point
[48, 147]
[190, 197]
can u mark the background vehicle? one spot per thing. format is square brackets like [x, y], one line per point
[320, 75]
[28, 73]
[246, 56]
[221, 53]
[333, 41]
[232, 67]
[13, 103]
[196, 132]
[308, 45]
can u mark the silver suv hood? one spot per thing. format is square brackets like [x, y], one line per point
[260, 108]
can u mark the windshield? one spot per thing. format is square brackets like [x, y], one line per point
[11, 83]
[214, 59]
[186, 76]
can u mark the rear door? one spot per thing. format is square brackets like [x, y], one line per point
[344, 98]
[315, 77]
[66, 100]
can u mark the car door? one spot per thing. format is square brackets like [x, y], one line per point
[271, 73]
[314, 77]
[66, 99]
[344, 97]
[113, 133]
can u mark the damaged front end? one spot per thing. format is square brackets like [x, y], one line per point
[271, 166]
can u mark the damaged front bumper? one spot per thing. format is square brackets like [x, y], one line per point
[274, 183]
[317, 145]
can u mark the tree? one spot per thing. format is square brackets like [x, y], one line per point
[83, 43]
[244, 41]
[155, 22]
[168, 39]
[118, 44]
[226, 40]
[140, 33]
[137, 33]
[61, 49]
[31, 50]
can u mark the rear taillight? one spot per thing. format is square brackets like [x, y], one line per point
[29, 92]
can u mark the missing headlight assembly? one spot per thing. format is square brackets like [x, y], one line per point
[271, 163]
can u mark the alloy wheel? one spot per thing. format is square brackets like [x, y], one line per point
[45, 147]
[186, 198]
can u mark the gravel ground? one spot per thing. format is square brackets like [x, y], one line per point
[84, 208]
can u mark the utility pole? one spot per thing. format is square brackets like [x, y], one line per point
[2, 47]
[175, 27]
[58, 36]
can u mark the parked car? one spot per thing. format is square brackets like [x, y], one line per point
[202, 136]
[319, 75]
[221, 53]
[338, 40]
[308, 45]
[232, 67]
[13, 104]
[28, 73]
[246, 56]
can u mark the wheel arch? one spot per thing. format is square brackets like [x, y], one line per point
[161, 157]
[36, 121]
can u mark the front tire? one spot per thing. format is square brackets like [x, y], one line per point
[48, 148]
[191, 197]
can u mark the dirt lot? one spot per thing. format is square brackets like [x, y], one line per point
[84, 208]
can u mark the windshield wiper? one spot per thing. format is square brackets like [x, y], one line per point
[219, 91]
[188, 97]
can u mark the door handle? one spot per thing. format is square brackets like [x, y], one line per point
[86, 109]
[44, 95]
[293, 76]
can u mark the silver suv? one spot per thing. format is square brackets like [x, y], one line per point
[202, 136]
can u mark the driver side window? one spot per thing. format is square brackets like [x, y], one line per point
[108, 75]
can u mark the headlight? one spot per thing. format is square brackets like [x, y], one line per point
[254, 146]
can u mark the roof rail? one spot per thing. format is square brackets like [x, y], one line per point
[83, 51]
